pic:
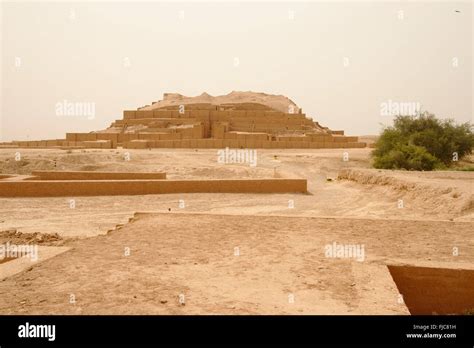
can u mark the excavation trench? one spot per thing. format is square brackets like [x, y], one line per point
[429, 290]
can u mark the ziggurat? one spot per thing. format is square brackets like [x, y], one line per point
[207, 125]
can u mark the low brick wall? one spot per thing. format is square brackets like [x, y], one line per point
[242, 143]
[84, 175]
[74, 188]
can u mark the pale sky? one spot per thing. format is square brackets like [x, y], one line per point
[338, 61]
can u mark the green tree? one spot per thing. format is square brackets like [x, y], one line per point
[422, 143]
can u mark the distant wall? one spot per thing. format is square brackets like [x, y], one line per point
[243, 143]
[83, 175]
[74, 188]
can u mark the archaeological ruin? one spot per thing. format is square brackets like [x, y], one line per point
[240, 120]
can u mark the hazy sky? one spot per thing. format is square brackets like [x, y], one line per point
[338, 61]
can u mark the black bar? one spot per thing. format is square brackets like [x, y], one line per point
[289, 330]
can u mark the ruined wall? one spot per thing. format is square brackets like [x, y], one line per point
[82, 175]
[142, 187]
[241, 143]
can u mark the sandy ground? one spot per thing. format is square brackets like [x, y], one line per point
[195, 255]
[439, 195]
[177, 252]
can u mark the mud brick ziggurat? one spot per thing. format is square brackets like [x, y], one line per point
[209, 122]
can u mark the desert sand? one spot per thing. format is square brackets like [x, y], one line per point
[190, 251]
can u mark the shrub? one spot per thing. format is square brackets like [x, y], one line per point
[407, 157]
[422, 143]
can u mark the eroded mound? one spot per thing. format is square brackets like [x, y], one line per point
[433, 192]
[13, 236]
[276, 102]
